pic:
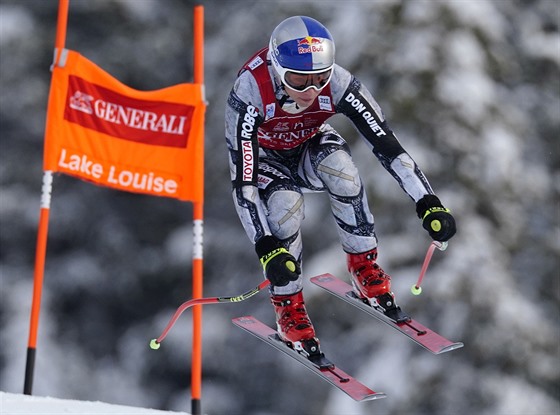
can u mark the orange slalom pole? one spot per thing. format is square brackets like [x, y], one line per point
[38, 276]
[62, 24]
[198, 219]
[42, 232]
[197, 287]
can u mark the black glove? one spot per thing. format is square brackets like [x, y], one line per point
[280, 267]
[435, 218]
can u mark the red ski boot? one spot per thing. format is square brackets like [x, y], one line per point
[373, 285]
[294, 326]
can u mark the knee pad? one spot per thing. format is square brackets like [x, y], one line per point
[339, 174]
[285, 212]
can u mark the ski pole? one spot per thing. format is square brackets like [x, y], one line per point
[442, 246]
[155, 343]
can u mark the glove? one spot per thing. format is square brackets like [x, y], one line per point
[436, 219]
[280, 267]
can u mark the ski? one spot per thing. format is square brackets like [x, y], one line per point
[411, 328]
[318, 364]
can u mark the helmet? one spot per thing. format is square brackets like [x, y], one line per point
[303, 46]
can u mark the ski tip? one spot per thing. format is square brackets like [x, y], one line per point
[451, 347]
[323, 278]
[244, 320]
[373, 396]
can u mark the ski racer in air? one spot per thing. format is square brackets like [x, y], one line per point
[281, 147]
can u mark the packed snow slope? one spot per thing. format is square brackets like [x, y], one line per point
[15, 404]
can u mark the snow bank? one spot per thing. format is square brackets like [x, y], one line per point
[13, 404]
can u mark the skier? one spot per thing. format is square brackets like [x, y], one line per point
[280, 147]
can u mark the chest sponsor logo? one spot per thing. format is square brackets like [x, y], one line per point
[282, 126]
[288, 139]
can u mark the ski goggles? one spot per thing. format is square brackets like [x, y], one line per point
[303, 81]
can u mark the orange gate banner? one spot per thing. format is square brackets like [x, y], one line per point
[105, 132]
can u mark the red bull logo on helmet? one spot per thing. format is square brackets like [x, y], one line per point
[309, 44]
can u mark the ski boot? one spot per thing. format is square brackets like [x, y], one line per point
[373, 286]
[294, 326]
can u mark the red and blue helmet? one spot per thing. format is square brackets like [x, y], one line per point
[302, 45]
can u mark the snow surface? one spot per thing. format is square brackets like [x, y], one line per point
[13, 404]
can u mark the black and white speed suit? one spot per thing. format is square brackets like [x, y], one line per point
[278, 152]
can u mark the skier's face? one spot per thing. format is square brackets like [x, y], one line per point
[303, 99]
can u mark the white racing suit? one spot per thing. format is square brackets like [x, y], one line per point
[278, 152]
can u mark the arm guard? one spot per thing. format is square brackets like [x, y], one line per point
[358, 105]
[242, 121]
